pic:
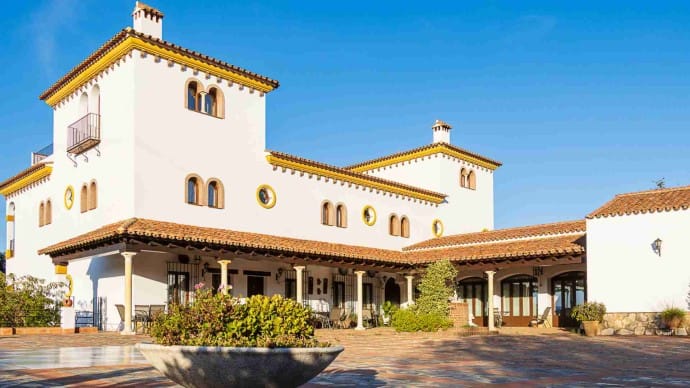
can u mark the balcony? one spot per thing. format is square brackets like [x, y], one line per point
[40, 155]
[84, 134]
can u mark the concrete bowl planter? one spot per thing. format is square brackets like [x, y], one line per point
[208, 366]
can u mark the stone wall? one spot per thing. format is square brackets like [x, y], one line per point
[459, 314]
[634, 323]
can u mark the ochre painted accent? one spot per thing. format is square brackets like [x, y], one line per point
[364, 218]
[273, 196]
[69, 197]
[433, 229]
[70, 283]
[9, 218]
[134, 43]
[441, 148]
[277, 161]
[27, 180]
[60, 269]
[9, 254]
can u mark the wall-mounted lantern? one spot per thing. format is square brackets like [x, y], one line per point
[656, 245]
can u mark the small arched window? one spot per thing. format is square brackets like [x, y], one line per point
[83, 104]
[93, 195]
[215, 194]
[463, 177]
[41, 214]
[394, 225]
[405, 227]
[210, 103]
[472, 180]
[341, 216]
[193, 95]
[48, 218]
[327, 213]
[84, 198]
[193, 190]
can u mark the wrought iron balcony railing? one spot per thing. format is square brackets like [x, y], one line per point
[84, 134]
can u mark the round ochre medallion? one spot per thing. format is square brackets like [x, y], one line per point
[437, 228]
[266, 196]
[369, 215]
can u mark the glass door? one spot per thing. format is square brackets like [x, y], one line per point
[568, 290]
[178, 287]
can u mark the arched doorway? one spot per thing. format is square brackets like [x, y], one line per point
[519, 300]
[568, 289]
[473, 291]
[392, 292]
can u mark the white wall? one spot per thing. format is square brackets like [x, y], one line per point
[626, 274]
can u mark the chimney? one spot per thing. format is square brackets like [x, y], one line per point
[147, 20]
[441, 132]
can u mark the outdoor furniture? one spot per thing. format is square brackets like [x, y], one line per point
[335, 317]
[544, 320]
[141, 317]
[368, 317]
[156, 309]
[498, 318]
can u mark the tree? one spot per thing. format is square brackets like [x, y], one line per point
[436, 287]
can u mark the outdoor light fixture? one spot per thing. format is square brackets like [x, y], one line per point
[279, 273]
[204, 270]
[657, 246]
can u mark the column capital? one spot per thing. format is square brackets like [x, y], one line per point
[490, 273]
[128, 254]
[360, 272]
[224, 262]
[300, 267]
[409, 276]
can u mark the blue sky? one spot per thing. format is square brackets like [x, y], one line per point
[580, 100]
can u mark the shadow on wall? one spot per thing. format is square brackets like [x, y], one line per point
[105, 267]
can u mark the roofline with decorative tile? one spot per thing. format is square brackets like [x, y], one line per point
[25, 178]
[423, 151]
[630, 209]
[127, 40]
[283, 160]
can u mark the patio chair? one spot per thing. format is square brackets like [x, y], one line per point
[336, 317]
[141, 316]
[156, 309]
[544, 320]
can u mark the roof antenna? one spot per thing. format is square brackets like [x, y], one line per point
[660, 183]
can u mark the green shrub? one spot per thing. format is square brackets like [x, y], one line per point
[221, 320]
[588, 311]
[673, 317]
[27, 301]
[411, 320]
[435, 288]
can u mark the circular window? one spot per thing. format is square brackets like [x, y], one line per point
[266, 196]
[437, 228]
[69, 197]
[369, 215]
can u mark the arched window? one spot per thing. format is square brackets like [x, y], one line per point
[193, 95]
[394, 226]
[193, 186]
[341, 216]
[404, 227]
[210, 103]
[327, 213]
[83, 104]
[84, 199]
[41, 214]
[215, 194]
[93, 196]
[48, 218]
[95, 100]
[472, 180]
[463, 177]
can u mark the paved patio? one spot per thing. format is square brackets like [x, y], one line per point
[381, 357]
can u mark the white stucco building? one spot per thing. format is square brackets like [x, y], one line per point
[158, 179]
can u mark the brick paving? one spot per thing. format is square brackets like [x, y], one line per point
[381, 357]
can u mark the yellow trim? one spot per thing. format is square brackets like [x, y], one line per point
[68, 189]
[9, 218]
[433, 229]
[132, 43]
[277, 161]
[441, 148]
[364, 218]
[9, 254]
[70, 284]
[60, 269]
[27, 180]
[273, 196]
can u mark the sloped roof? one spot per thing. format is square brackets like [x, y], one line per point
[531, 231]
[25, 177]
[429, 149]
[651, 201]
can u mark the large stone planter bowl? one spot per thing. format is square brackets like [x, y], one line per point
[206, 366]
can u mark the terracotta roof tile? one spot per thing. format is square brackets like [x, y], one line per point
[538, 247]
[441, 148]
[359, 176]
[22, 174]
[659, 200]
[531, 231]
[169, 231]
[129, 32]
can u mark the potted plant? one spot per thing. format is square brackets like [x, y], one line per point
[216, 341]
[590, 314]
[673, 317]
[388, 310]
